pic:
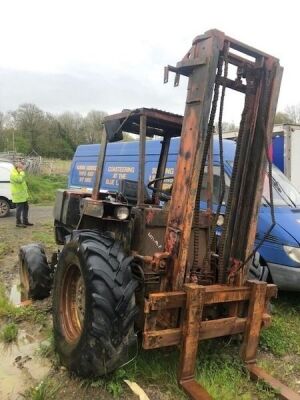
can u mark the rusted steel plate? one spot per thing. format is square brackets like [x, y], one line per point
[227, 294]
[166, 300]
[191, 331]
[272, 290]
[222, 327]
[162, 338]
[254, 320]
[213, 294]
[208, 330]
[194, 390]
[284, 392]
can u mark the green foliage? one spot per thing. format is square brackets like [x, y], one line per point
[6, 308]
[22, 144]
[45, 390]
[29, 128]
[156, 367]
[4, 249]
[113, 384]
[282, 337]
[42, 189]
[46, 348]
[282, 118]
[222, 373]
[17, 314]
[9, 333]
[47, 237]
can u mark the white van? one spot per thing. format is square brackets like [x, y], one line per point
[5, 193]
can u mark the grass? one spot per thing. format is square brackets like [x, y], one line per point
[113, 385]
[17, 314]
[219, 370]
[45, 390]
[7, 309]
[46, 348]
[42, 188]
[4, 249]
[46, 236]
[9, 333]
[55, 166]
[282, 337]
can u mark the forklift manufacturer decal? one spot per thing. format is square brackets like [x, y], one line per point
[152, 238]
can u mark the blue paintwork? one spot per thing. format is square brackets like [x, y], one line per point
[278, 151]
[122, 162]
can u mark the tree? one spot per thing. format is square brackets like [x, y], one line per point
[72, 124]
[229, 127]
[29, 120]
[293, 112]
[93, 126]
[282, 118]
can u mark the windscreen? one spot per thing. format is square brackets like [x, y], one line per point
[284, 193]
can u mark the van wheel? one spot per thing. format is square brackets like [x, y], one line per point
[35, 273]
[4, 208]
[93, 304]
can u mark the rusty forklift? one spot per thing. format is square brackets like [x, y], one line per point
[112, 279]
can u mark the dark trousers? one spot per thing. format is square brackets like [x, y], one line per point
[22, 212]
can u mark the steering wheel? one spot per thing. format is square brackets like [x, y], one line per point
[164, 195]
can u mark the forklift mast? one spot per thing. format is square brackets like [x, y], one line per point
[258, 77]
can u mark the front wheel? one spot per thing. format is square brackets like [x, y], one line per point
[35, 273]
[93, 304]
[4, 208]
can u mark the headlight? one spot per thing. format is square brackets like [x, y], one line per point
[94, 209]
[220, 220]
[121, 213]
[293, 253]
[100, 210]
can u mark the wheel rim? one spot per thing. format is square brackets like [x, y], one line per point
[72, 303]
[3, 208]
[24, 277]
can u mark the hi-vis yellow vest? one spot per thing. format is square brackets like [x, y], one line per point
[18, 186]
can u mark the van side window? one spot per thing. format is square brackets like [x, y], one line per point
[216, 185]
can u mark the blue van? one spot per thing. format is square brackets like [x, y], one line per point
[278, 260]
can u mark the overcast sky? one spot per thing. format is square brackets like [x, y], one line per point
[108, 55]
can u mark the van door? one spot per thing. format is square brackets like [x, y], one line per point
[5, 192]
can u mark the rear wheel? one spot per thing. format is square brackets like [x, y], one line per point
[35, 273]
[93, 304]
[4, 208]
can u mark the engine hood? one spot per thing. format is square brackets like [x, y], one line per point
[287, 228]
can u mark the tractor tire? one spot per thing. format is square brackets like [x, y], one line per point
[93, 304]
[35, 273]
[4, 208]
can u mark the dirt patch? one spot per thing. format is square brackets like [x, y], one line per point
[20, 367]
[12, 238]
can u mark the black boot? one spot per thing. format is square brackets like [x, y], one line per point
[28, 224]
[20, 225]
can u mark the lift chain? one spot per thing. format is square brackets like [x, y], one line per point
[212, 239]
[221, 264]
[235, 270]
[207, 142]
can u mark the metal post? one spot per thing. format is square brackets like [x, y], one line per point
[142, 148]
[195, 296]
[100, 166]
[163, 158]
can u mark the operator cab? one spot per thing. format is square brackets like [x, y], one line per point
[147, 123]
